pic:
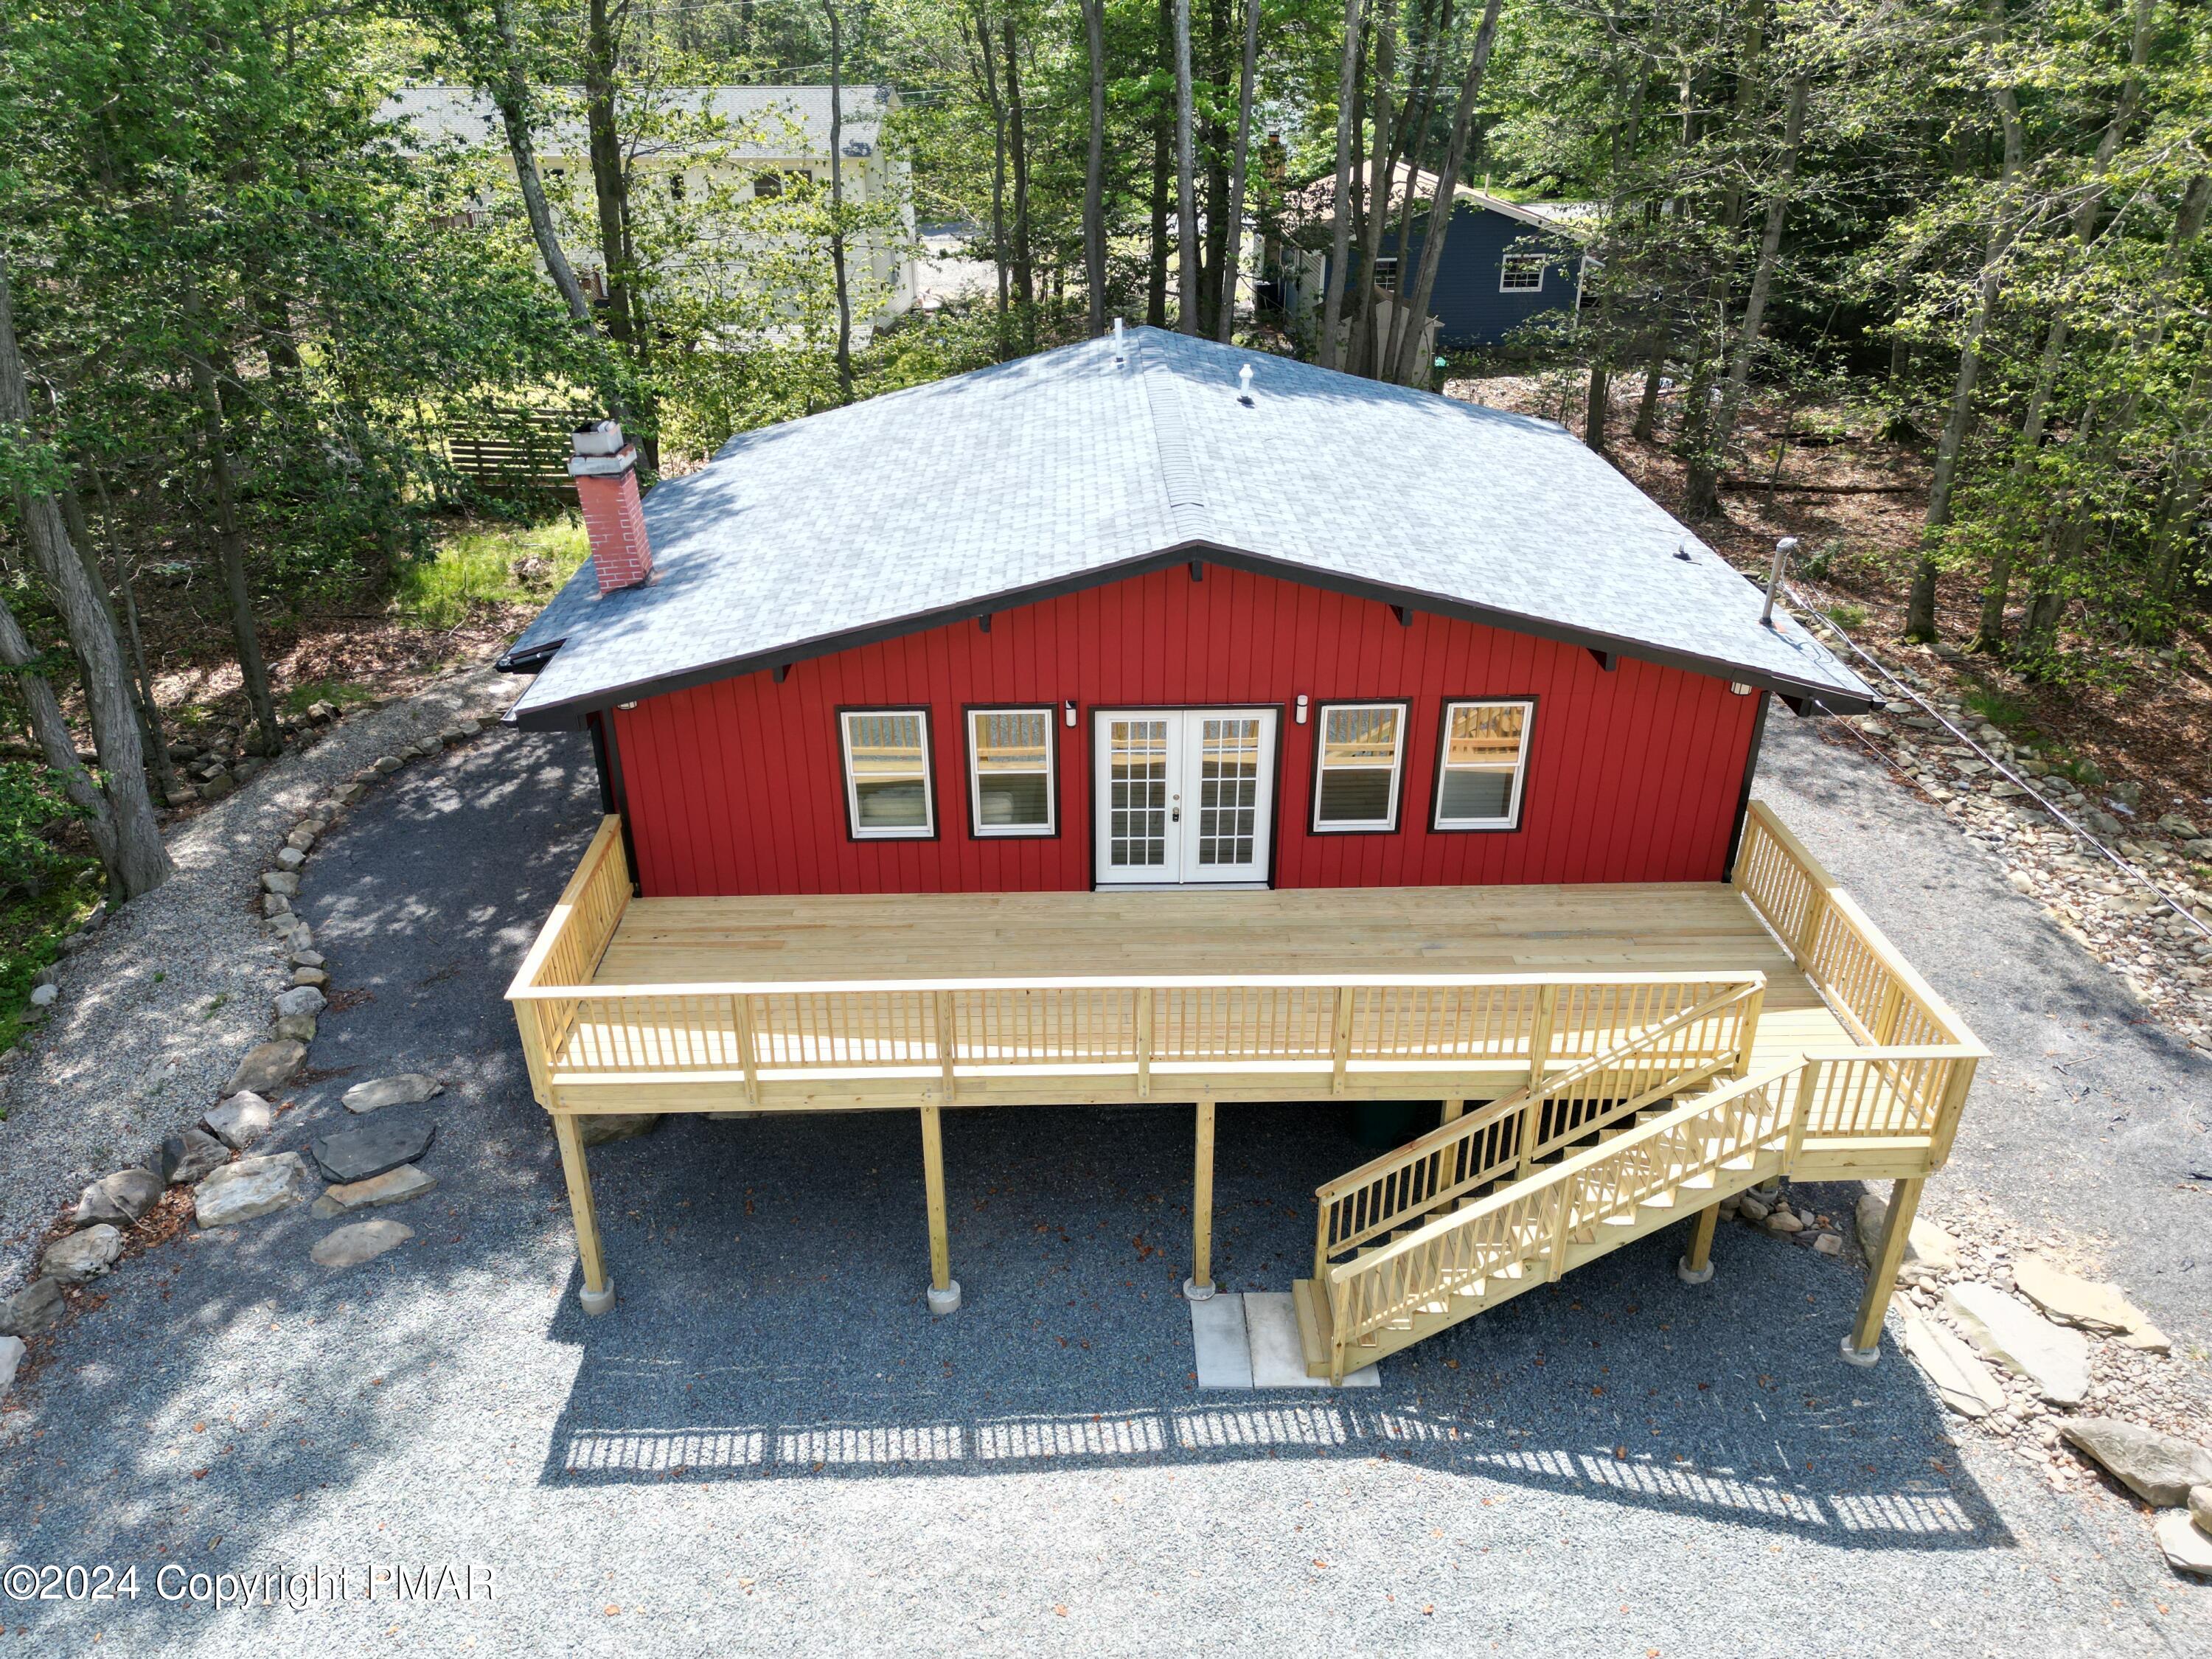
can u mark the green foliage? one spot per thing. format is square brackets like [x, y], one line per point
[345, 694]
[2002, 710]
[31, 803]
[480, 569]
[44, 890]
[1847, 615]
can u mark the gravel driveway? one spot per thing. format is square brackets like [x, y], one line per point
[770, 1447]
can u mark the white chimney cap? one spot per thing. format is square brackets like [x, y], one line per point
[600, 438]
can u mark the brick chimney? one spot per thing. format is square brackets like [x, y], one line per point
[604, 467]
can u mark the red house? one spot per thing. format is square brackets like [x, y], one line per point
[1145, 721]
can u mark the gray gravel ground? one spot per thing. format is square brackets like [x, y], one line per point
[770, 1447]
[155, 1010]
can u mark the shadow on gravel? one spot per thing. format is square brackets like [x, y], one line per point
[771, 1325]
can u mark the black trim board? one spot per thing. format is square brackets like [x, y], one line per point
[560, 715]
[1743, 795]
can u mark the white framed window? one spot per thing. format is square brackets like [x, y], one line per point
[1522, 273]
[1359, 751]
[1481, 761]
[1010, 772]
[887, 792]
[1386, 273]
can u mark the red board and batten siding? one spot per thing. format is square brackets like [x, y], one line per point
[737, 787]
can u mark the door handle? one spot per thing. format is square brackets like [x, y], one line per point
[1175, 809]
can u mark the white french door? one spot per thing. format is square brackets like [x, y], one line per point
[1184, 795]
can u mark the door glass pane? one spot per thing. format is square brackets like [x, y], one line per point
[1228, 791]
[1137, 794]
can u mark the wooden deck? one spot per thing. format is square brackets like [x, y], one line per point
[1333, 934]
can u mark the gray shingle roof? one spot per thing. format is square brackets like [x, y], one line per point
[1067, 469]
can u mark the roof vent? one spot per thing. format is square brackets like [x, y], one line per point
[1119, 349]
[1244, 385]
[1682, 553]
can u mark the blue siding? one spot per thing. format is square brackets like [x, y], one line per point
[1474, 310]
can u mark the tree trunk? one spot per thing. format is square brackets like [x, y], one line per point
[57, 744]
[1440, 212]
[1156, 281]
[1367, 352]
[986, 55]
[837, 203]
[609, 177]
[1094, 169]
[1186, 181]
[1348, 91]
[1702, 494]
[1597, 409]
[137, 862]
[1416, 127]
[1226, 325]
[1017, 140]
[510, 93]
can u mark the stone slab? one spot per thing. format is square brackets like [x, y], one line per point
[267, 1067]
[252, 1186]
[2052, 1357]
[11, 1355]
[1279, 1357]
[240, 1121]
[1957, 1373]
[2188, 1549]
[364, 1241]
[405, 1090]
[2090, 1304]
[355, 1155]
[393, 1187]
[1217, 1335]
[2159, 1468]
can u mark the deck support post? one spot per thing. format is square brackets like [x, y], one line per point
[1863, 1346]
[944, 1289]
[1697, 1267]
[1199, 1288]
[1452, 1110]
[598, 1292]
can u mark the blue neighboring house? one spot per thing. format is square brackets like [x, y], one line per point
[1503, 262]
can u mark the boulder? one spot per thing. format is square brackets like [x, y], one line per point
[274, 905]
[45, 996]
[191, 1155]
[82, 1255]
[2200, 1506]
[11, 1356]
[281, 881]
[364, 1241]
[2158, 1468]
[357, 1154]
[304, 957]
[118, 1200]
[294, 1028]
[252, 1186]
[393, 1187]
[2180, 828]
[597, 1131]
[240, 1121]
[267, 1068]
[302, 1000]
[2089, 1303]
[217, 787]
[386, 764]
[314, 976]
[34, 1307]
[290, 859]
[2188, 1549]
[1961, 1381]
[2055, 1359]
[1928, 1248]
[405, 1090]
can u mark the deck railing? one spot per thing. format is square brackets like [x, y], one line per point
[1699, 1030]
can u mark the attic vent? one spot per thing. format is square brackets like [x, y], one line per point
[1244, 385]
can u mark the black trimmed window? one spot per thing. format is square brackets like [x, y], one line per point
[1010, 772]
[1481, 764]
[887, 792]
[1358, 759]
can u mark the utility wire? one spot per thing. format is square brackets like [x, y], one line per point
[2123, 865]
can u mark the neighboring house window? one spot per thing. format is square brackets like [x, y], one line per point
[1386, 275]
[1522, 273]
[675, 186]
[1479, 772]
[1009, 789]
[1361, 748]
[766, 184]
[887, 791]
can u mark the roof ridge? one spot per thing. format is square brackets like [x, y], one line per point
[1179, 479]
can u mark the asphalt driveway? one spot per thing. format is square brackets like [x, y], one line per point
[771, 1448]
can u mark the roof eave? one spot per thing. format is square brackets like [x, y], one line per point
[1804, 697]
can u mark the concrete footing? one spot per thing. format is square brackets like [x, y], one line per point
[946, 1300]
[1689, 1275]
[1859, 1357]
[597, 1302]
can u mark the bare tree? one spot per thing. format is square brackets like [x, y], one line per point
[508, 83]
[1339, 256]
[837, 203]
[1367, 352]
[1017, 142]
[1186, 188]
[1226, 323]
[985, 56]
[1094, 170]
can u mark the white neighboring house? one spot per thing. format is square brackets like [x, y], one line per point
[778, 134]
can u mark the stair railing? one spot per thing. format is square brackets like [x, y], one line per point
[1712, 1034]
[1535, 1223]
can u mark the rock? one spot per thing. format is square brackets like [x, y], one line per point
[2056, 1360]
[294, 1028]
[1960, 1378]
[2101, 822]
[290, 859]
[217, 787]
[314, 976]
[2179, 827]
[250, 1187]
[346, 795]
[45, 996]
[597, 1131]
[240, 1121]
[2128, 794]
[2188, 1549]
[387, 764]
[11, 1356]
[469, 729]
[2158, 1468]
[1829, 1244]
[357, 1154]
[275, 904]
[303, 999]
[393, 1187]
[281, 881]
[2005, 790]
[119, 1200]
[2200, 1506]
[267, 1068]
[304, 958]
[1751, 1207]
[1782, 1222]
[1928, 1248]
[302, 838]
[82, 1255]
[404, 1089]
[364, 1241]
[34, 1307]
[2088, 1303]
[187, 1157]
[2149, 1338]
